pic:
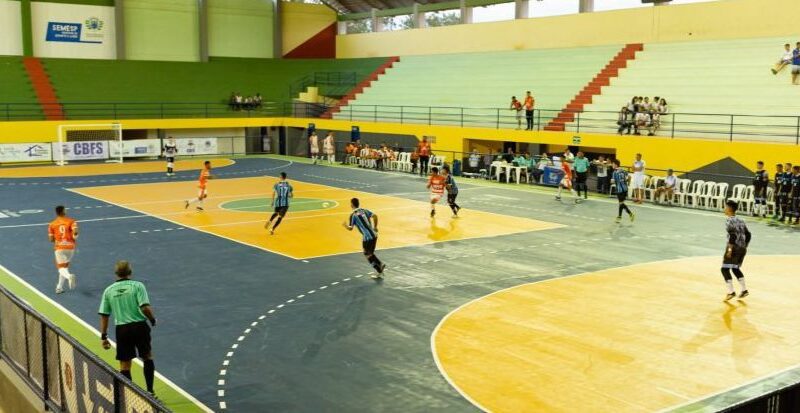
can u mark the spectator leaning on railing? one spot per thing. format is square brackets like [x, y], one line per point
[625, 120]
[516, 106]
[784, 60]
[529, 105]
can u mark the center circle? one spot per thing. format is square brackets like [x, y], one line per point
[263, 204]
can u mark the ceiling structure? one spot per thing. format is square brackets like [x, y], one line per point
[365, 6]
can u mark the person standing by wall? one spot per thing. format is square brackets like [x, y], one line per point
[638, 179]
[313, 144]
[602, 174]
[424, 149]
[170, 151]
[329, 146]
[128, 301]
[581, 165]
[529, 105]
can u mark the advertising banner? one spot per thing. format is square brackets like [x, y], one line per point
[84, 150]
[197, 146]
[73, 30]
[26, 152]
[136, 148]
[87, 389]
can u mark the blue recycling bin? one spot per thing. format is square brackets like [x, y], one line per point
[457, 167]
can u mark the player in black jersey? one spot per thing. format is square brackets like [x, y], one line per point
[778, 196]
[760, 183]
[735, 251]
[795, 195]
[786, 189]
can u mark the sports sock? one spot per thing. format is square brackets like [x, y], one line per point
[275, 214]
[729, 286]
[63, 276]
[278, 222]
[126, 373]
[621, 208]
[149, 374]
[740, 277]
[628, 210]
[376, 263]
[559, 191]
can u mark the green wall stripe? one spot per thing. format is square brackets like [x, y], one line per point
[27, 29]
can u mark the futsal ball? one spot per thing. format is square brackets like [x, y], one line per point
[325, 204]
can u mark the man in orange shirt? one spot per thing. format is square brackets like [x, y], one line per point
[529, 102]
[424, 149]
[205, 175]
[566, 181]
[436, 183]
[62, 232]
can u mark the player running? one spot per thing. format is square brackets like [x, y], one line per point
[281, 192]
[170, 150]
[760, 183]
[63, 232]
[738, 240]
[621, 187]
[452, 191]
[202, 193]
[436, 183]
[566, 182]
[367, 224]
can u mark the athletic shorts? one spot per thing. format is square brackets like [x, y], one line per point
[638, 181]
[133, 339]
[795, 68]
[566, 183]
[170, 159]
[435, 197]
[581, 177]
[281, 210]
[369, 246]
[736, 259]
[314, 151]
[64, 256]
[451, 198]
[622, 196]
[202, 193]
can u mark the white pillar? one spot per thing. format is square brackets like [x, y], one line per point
[419, 17]
[586, 6]
[377, 22]
[521, 9]
[342, 26]
[466, 12]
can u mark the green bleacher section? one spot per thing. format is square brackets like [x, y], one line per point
[704, 83]
[17, 97]
[80, 84]
[481, 82]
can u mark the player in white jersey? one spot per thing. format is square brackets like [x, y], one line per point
[170, 151]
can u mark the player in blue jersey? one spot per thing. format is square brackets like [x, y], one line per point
[621, 188]
[367, 224]
[281, 193]
[452, 190]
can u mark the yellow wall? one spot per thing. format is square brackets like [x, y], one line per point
[301, 21]
[660, 153]
[724, 19]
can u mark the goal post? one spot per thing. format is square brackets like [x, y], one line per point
[77, 142]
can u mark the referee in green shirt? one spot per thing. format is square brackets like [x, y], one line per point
[128, 301]
[581, 165]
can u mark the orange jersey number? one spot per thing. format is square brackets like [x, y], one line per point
[437, 183]
[63, 230]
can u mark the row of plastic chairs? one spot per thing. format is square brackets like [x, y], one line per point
[703, 194]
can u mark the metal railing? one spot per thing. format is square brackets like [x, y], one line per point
[60, 371]
[783, 400]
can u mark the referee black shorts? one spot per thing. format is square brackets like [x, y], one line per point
[736, 258]
[133, 339]
[581, 177]
[451, 198]
[622, 196]
[369, 246]
[281, 210]
[170, 159]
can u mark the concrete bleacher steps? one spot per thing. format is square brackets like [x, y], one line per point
[593, 88]
[43, 88]
[17, 97]
[448, 83]
[705, 83]
[359, 88]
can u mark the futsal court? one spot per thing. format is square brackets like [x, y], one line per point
[523, 303]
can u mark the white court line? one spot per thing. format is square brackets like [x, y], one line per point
[97, 333]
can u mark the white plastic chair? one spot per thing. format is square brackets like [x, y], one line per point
[771, 207]
[720, 196]
[709, 189]
[738, 193]
[748, 200]
[650, 187]
[693, 196]
[681, 188]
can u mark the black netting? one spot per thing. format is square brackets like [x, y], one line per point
[53, 363]
[33, 332]
[12, 331]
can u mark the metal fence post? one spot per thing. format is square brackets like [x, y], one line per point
[114, 107]
[206, 108]
[351, 112]
[401, 115]
[578, 123]
[162, 111]
[731, 135]
[462, 117]
[797, 134]
[8, 111]
[538, 119]
[498, 118]
[45, 375]
[674, 115]
[376, 114]
[117, 388]
[430, 111]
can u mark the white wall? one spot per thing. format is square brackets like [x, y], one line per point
[10, 28]
[94, 43]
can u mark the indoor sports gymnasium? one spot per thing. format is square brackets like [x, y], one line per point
[506, 206]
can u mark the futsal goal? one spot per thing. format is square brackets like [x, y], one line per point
[84, 142]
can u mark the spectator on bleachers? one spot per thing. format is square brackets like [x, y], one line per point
[516, 106]
[654, 103]
[641, 121]
[646, 104]
[796, 64]
[349, 150]
[488, 158]
[784, 60]
[602, 165]
[666, 187]
[519, 160]
[232, 101]
[258, 101]
[625, 120]
[529, 105]
[632, 105]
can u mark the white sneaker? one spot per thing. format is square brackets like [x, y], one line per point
[72, 281]
[59, 290]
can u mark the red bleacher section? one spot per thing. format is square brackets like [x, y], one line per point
[594, 88]
[45, 92]
[361, 86]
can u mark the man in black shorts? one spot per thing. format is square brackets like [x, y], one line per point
[621, 188]
[128, 301]
[170, 151]
[281, 193]
[738, 240]
[760, 184]
[785, 195]
[367, 224]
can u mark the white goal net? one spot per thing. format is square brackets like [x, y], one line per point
[89, 142]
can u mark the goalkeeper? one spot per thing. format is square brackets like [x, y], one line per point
[170, 150]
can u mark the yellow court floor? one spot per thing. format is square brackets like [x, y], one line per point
[309, 233]
[632, 339]
[89, 169]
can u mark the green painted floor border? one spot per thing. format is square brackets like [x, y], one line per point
[169, 393]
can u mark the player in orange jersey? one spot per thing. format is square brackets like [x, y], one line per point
[205, 175]
[436, 183]
[62, 233]
[566, 181]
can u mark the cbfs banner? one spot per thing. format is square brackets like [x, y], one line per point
[84, 150]
[73, 30]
